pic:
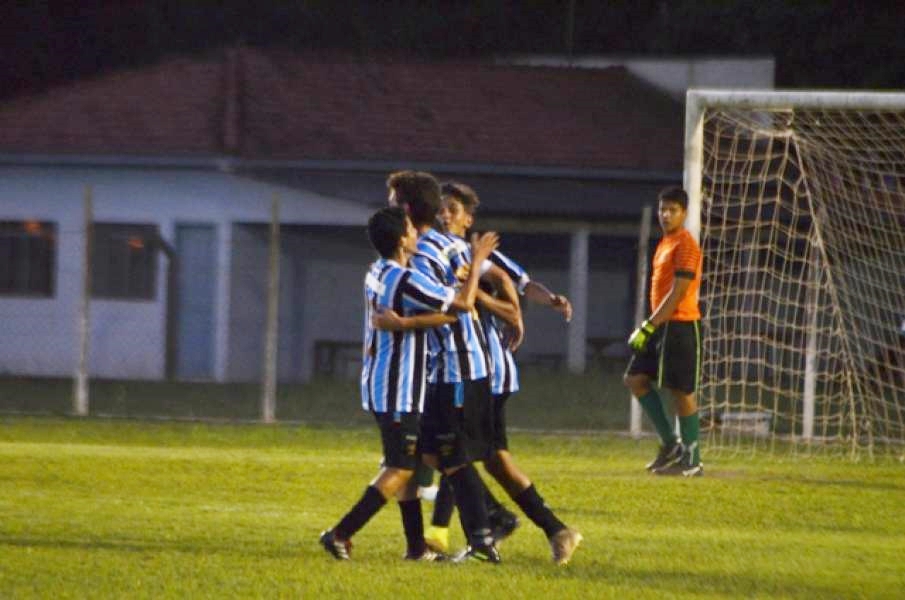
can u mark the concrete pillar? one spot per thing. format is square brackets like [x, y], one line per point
[222, 295]
[578, 294]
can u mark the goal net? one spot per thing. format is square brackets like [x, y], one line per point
[798, 200]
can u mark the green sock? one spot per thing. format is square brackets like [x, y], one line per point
[690, 426]
[651, 404]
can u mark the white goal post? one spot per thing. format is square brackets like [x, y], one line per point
[798, 200]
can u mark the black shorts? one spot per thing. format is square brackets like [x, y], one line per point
[458, 422]
[399, 437]
[499, 441]
[672, 358]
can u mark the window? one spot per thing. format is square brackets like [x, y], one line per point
[28, 251]
[124, 261]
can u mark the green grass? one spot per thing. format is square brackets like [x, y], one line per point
[116, 509]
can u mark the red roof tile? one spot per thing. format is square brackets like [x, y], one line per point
[272, 104]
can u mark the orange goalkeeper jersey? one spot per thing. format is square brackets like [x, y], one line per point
[677, 255]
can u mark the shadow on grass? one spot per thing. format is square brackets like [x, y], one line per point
[285, 551]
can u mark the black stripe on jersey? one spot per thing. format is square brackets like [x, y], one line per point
[485, 347]
[393, 381]
[507, 368]
[461, 354]
[498, 261]
[420, 296]
[436, 269]
[433, 243]
[418, 378]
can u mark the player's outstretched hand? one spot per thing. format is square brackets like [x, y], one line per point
[483, 245]
[562, 305]
[386, 319]
[641, 336]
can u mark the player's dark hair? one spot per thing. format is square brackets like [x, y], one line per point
[674, 194]
[385, 228]
[463, 193]
[419, 191]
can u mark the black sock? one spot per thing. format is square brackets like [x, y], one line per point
[371, 502]
[444, 504]
[413, 525]
[493, 505]
[466, 484]
[539, 513]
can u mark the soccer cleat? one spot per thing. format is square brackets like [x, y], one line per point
[694, 471]
[683, 467]
[427, 556]
[668, 455]
[340, 549]
[479, 553]
[502, 524]
[437, 538]
[563, 544]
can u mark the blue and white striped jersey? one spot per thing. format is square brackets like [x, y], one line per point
[462, 347]
[394, 366]
[504, 375]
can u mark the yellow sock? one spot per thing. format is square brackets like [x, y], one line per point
[437, 538]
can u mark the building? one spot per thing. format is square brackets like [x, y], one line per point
[184, 159]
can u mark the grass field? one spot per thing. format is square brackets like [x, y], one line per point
[132, 509]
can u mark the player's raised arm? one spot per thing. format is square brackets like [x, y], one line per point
[481, 247]
[539, 294]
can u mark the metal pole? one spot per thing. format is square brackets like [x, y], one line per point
[268, 395]
[80, 386]
[640, 303]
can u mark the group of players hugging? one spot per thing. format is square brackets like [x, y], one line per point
[442, 320]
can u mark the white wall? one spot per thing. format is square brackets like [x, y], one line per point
[38, 336]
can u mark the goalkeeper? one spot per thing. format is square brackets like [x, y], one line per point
[667, 345]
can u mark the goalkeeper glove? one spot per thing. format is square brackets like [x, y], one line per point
[639, 338]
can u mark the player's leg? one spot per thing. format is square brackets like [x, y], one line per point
[681, 360]
[437, 535]
[503, 522]
[449, 445]
[563, 539]
[500, 464]
[638, 378]
[399, 440]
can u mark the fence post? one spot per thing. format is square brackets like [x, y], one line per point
[80, 385]
[268, 395]
[643, 246]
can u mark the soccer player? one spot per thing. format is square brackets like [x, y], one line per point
[394, 370]
[667, 345]
[459, 205]
[458, 417]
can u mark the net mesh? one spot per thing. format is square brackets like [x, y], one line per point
[803, 234]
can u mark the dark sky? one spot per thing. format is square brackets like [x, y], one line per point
[815, 44]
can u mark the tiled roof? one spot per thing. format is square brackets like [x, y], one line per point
[264, 104]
